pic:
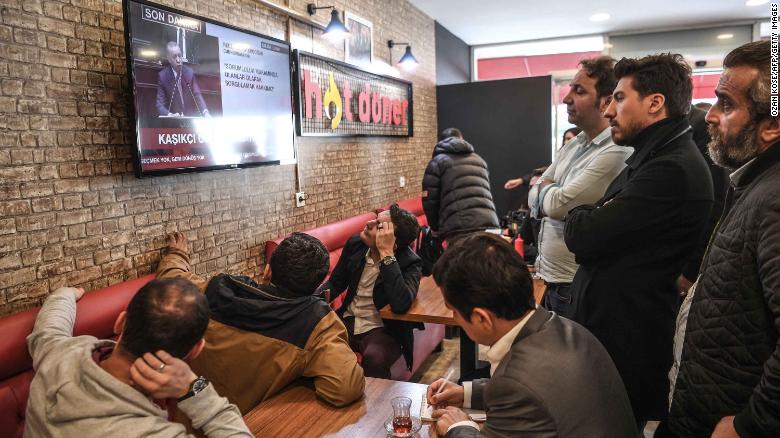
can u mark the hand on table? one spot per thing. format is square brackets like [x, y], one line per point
[161, 375]
[447, 417]
[451, 395]
[177, 240]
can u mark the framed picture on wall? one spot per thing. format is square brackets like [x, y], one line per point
[358, 49]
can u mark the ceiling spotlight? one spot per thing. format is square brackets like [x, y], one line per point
[725, 36]
[601, 16]
[756, 2]
[407, 60]
[146, 53]
[335, 30]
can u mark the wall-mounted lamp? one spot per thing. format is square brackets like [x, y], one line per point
[335, 30]
[407, 59]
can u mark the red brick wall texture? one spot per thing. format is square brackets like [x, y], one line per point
[73, 213]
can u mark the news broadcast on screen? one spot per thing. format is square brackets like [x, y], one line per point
[206, 96]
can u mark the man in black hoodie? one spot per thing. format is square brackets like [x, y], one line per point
[456, 188]
[263, 336]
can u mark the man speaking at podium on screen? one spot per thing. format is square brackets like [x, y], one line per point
[178, 93]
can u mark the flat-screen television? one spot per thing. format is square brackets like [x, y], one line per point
[206, 95]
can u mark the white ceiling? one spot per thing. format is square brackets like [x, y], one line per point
[497, 21]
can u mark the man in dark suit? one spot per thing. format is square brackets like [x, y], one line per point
[633, 243]
[378, 268]
[549, 376]
[178, 93]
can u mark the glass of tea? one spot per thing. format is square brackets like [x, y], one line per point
[402, 419]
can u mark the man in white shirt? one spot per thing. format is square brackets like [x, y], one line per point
[378, 268]
[579, 175]
[549, 376]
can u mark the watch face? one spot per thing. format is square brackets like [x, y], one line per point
[199, 384]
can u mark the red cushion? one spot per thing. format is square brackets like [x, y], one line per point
[95, 316]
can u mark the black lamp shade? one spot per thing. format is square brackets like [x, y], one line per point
[336, 27]
[407, 57]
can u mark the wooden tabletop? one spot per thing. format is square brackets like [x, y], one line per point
[429, 304]
[297, 412]
[427, 307]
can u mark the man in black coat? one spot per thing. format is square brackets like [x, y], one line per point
[632, 244]
[456, 188]
[728, 383]
[720, 183]
[378, 268]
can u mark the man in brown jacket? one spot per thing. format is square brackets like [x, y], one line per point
[261, 337]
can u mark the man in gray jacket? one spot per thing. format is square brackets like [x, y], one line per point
[84, 386]
[549, 376]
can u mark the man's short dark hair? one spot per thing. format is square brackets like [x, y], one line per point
[167, 314]
[483, 270]
[405, 224]
[450, 132]
[754, 55]
[602, 69]
[299, 264]
[665, 73]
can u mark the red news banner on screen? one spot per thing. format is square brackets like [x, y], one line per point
[338, 99]
[206, 95]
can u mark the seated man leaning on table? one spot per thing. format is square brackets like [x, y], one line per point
[84, 386]
[549, 376]
[262, 337]
[378, 268]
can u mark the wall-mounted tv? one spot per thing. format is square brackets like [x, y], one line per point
[206, 95]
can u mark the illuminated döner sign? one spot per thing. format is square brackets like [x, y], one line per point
[339, 99]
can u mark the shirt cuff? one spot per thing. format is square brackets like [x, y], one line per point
[542, 194]
[466, 395]
[463, 423]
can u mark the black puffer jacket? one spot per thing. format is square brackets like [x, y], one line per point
[731, 357]
[458, 189]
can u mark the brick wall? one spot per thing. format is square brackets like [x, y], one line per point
[72, 211]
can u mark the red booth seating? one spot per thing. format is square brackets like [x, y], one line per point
[334, 236]
[415, 206]
[96, 314]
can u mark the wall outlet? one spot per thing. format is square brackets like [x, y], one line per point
[300, 199]
[402, 182]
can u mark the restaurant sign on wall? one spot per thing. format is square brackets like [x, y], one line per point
[338, 99]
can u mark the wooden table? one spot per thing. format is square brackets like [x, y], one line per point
[429, 307]
[297, 412]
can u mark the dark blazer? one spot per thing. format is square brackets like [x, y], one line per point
[631, 247]
[396, 285]
[556, 381]
[169, 99]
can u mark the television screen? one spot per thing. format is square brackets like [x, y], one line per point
[206, 95]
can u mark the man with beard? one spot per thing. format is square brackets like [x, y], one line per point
[632, 244]
[728, 383]
[579, 174]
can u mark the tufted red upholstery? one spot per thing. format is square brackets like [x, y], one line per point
[334, 236]
[97, 311]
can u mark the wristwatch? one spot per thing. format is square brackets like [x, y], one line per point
[388, 260]
[196, 386]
